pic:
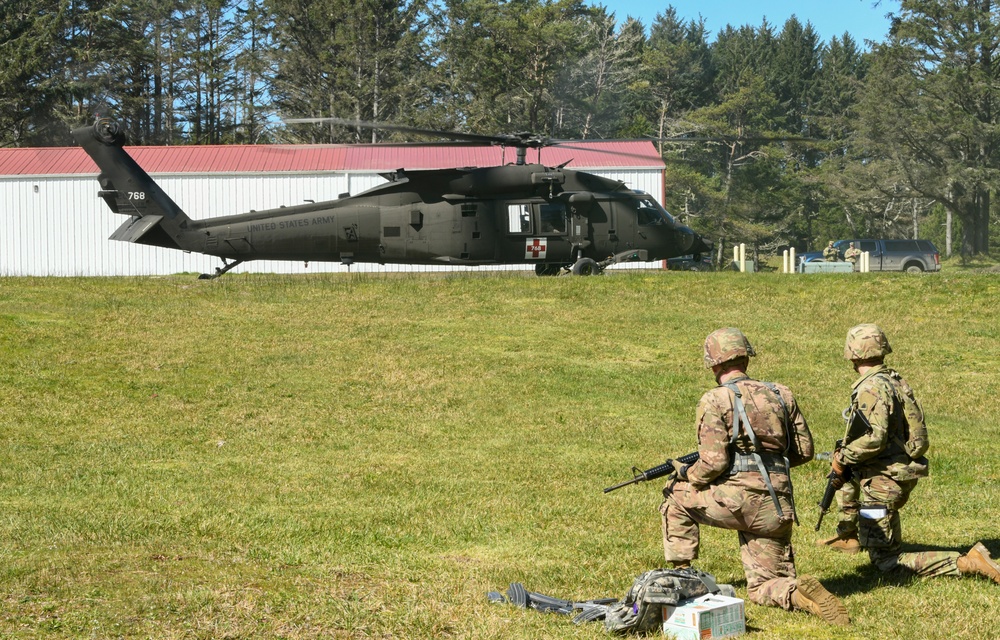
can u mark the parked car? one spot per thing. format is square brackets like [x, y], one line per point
[690, 262]
[913, 256]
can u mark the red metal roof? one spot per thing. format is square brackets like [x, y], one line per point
[50, 161]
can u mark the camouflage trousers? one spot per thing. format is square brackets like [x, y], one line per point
[882, 537]
[847, 501]
[765, 539]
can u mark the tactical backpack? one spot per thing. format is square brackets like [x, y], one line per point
[641, 610]
[915, 429]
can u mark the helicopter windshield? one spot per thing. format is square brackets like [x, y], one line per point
[650, 213]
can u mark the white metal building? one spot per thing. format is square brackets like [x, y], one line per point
[52, 223]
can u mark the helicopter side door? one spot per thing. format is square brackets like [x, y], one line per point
[622, 226]
[535, 232]
[473, 236]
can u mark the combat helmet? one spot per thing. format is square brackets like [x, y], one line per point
[723, 345]
[866, 341]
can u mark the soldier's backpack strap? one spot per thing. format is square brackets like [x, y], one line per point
[786, 421]
[742, 422]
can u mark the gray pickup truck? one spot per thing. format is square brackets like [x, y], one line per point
[913, 256]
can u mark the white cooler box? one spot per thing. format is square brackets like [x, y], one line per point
[704, 618]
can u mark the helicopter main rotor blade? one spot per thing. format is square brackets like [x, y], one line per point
[577, 146]
[728, 139]
[527, 140]
[511, 140]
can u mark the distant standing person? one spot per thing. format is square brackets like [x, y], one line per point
[852, 254]
[830, 253]
[750, 434]
[884, 446]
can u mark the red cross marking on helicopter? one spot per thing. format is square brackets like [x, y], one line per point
[535, 248]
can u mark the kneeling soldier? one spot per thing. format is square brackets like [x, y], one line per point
[884, 446]
[750, 434]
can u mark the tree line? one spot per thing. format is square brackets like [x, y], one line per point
[794, 140]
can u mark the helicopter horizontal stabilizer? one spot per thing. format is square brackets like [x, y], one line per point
[133, 229]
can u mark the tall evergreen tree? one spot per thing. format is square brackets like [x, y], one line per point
[795, 67]
[932, 105]
[842, 69]
[504, 60]
[253, 67]
[30, 37]
[135, 71]
[588, 100]
[210, 45]
[63, 65]
[745, 175]
[355, 59]
[743, 54]
[679, 71]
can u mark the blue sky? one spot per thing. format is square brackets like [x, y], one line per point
[829, 18]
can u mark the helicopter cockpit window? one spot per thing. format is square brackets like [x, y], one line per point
[519, 217]
[552, 218]
[650, 213]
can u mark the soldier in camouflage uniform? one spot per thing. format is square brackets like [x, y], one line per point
[830, 253]
[750, 434]
[852, 254]
[877, 450]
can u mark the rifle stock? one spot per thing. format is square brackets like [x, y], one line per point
[656, 472]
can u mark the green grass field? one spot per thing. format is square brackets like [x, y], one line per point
[367, 456]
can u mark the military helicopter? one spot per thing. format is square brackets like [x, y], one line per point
[559, 219]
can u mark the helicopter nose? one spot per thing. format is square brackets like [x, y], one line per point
[701, 246]
[697, 243]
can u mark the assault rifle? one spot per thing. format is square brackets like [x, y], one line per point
[831, 486]
[656, 472]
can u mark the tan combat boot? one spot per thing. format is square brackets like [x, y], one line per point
[812, 597]
[843, 544]
[978, 562]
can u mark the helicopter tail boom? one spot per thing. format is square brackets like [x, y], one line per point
[155, 219]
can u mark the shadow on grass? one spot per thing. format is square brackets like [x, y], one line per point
[868, 577]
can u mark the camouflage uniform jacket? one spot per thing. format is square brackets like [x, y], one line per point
[852, 254]
[767, 417]
[831, 254]
[876, 428]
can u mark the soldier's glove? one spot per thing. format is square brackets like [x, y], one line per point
[680, 470]
[841, 472]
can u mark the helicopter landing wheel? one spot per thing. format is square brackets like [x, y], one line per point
[219, 271]
[585, 267]
[547, 269]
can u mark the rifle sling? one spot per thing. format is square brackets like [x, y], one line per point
[787, 423]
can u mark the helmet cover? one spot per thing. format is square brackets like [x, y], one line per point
[866, 341]
[723, 345]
